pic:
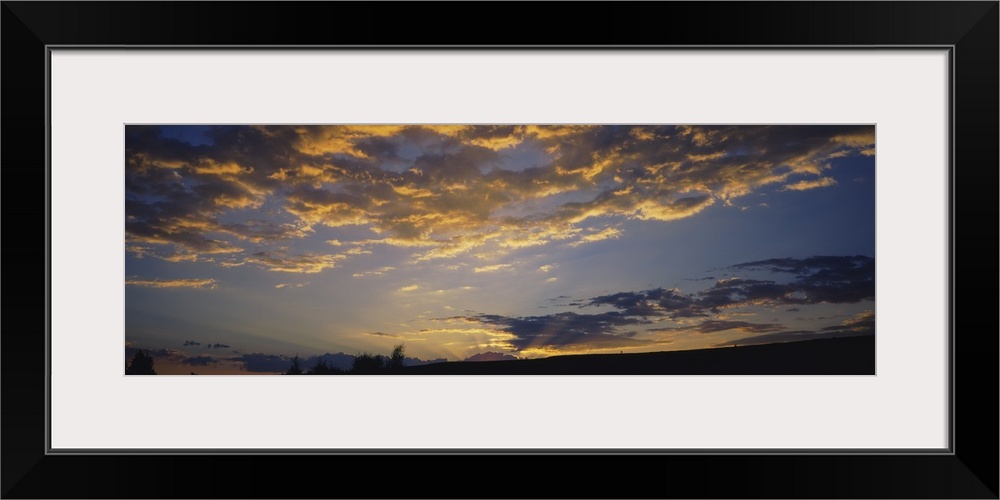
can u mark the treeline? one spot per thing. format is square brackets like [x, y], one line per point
[365, 363]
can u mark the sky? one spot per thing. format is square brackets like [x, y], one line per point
[246, 245]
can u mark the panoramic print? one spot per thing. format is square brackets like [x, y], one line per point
[525, 249]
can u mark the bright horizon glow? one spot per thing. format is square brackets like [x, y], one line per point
[246, 245]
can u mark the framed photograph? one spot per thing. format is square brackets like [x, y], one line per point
[413, 239]
[713, 251]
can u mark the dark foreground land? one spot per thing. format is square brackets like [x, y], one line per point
[839, 356]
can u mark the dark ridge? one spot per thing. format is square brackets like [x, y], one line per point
[837, 356]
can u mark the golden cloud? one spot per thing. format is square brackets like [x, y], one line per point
[492, 268]
[810, 184]
[446, 191]
[309, 263]
[608, 233]
[177, 283]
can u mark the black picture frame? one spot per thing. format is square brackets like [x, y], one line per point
[969, 28]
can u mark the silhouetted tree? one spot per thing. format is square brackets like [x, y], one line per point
[322, 368]
[295, 369]
[367, 363]
[142, 364]
[397, 358]
[319, 369]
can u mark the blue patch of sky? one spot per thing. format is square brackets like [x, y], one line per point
[525, 155]
[195, 135]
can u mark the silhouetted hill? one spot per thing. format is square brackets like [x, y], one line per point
[839, 356]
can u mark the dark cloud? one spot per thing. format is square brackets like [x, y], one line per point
[654, 302]
[491, 356]
[385, 148]
[565, 330]
[260, 362]
[823, 279]
[827, 265]
[859, 325]
[833, 280]
[200, 361]
[218, 346]
[191, 342]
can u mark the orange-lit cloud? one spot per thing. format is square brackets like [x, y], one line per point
[375, 272]
[450, 190]
[811, 184]
[492, 268]
[291, 285]
[609, 233]
[178, 283]
[308, 263]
